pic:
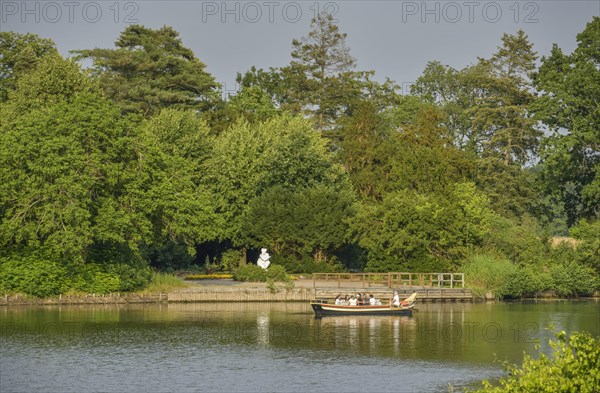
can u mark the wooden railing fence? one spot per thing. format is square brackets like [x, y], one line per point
[390, 280]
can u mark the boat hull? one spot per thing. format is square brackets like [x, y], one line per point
[326, 309]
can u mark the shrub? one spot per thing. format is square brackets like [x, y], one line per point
[90, 278]
[277, 273]
[250, 272]
[572, 279]
[230, 260]
[105, 283]
[271, 286]
[33, 274]
[490, 273]
[255, 273]
[573, 367]
[526, 281]
[522, 242]
[123, 262]
[589, 249]
[131, 277]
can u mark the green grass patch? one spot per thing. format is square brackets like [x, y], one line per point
[164, 282]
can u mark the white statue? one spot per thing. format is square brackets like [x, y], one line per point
[263, 259]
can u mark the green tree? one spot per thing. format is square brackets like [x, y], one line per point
[321, 81]
[589, 250]
[66, 156]
[19, 54]
[488, 113]
[322, 63]
[405, 147]
[366, 151]
[306, 221]
[251, 103]
[248, 159]
[488, 104]
[90, 186]
[454, 92]
[422, 232]
[55, 135]
[151, 69]
[426, 159]
[502, 114]
[569, 88]
[169, 187]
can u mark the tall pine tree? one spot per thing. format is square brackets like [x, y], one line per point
[150, 70]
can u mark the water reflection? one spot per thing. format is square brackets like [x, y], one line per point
[262, 323]
[284, 343]
[367, 335]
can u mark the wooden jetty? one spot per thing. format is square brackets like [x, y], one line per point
[430, 287]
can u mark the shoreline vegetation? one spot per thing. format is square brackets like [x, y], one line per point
[163, 284]
[118, 163]
[573, 366]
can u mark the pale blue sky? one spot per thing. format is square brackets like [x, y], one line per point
[394, 38]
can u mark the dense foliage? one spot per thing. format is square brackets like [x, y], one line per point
[137, 164]
[574, 366]
[254, 273]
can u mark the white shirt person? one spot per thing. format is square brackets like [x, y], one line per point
[396, 299]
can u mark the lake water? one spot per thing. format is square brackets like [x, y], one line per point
[249, 347]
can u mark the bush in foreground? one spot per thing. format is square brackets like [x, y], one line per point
[574, 366]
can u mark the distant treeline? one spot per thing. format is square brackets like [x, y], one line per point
[138, 163]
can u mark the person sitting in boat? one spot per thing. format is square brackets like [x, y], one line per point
[338, 300]
[359, 300]
[372, 300]
[396, 299]
[353, 301]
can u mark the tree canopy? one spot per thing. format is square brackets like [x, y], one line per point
[137, 163]
[151, 69]
[569, 106]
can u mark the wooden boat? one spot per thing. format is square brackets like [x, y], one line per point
[323, 308]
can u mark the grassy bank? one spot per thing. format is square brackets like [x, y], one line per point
[494, 276]
[163, 283]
